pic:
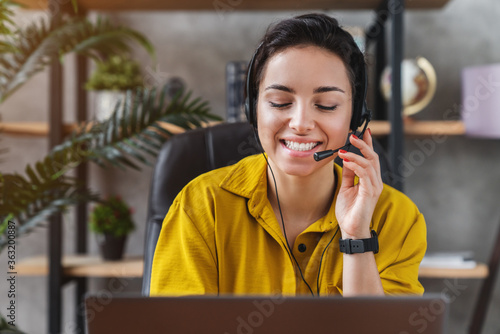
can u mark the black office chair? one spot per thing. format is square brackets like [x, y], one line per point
[195, 152]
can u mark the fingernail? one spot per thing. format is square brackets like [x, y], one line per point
[342, 151]
[354, 136]
[346, 160]
[369, 131]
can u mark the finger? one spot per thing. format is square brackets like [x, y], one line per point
[368, 176]
[362, 167]
[365, 145]
[368, 138]
[347, 174]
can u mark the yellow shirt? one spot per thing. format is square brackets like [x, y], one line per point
[221, 236]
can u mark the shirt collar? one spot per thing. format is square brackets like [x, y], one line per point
[248, 179]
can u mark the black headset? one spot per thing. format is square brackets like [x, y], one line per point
[360, 112]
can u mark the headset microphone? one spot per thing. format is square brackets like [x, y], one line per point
[318, 156]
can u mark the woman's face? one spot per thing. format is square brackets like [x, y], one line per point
[304, 106]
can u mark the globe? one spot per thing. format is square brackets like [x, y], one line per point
[418, 84]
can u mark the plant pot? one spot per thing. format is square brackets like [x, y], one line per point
[111, 247]
[105, 102]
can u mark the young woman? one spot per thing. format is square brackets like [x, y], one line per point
[281, 222]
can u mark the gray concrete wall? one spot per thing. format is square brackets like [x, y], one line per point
[456, 186]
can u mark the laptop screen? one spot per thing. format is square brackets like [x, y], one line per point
[278, 314]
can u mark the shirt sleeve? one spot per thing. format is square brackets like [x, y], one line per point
[185, 262]
[402, 247]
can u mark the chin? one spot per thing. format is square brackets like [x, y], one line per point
[300, 168]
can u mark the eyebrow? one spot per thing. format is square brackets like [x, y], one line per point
[322, 89]
[281, 87]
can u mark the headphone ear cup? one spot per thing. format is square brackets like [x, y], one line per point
[250, 112]
[358, 118]
[360, 109]
[247, 110]
[366, 114]
[357, 115]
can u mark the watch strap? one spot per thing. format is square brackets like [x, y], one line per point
[355, 246]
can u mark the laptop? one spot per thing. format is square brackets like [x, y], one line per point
[274, 314]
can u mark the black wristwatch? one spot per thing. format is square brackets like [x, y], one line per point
[350, 246]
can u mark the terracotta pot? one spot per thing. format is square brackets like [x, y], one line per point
[111, 247]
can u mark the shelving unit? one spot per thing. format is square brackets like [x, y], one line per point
[92, 266]
[62, 269]
[378, 128]
[258, 5]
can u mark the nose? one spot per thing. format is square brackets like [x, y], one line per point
[301, 119]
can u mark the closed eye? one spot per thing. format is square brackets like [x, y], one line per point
[326, 108]
[279, 105]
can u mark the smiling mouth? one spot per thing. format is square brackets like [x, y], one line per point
[294, 146]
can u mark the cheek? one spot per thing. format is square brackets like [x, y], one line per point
[268, 126]
[266, 119]
[338, 129]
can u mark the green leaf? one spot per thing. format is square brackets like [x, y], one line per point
[75, 6]
[122, 141]
[40, 43]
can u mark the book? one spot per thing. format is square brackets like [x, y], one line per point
[236, 73]
[449, 260]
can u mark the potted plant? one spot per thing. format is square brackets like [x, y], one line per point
[46, 187]
[125, 140]
[110, 81]
[112, 221]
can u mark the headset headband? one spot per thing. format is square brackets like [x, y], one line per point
[360, 112]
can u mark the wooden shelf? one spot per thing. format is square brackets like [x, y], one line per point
[228, 6]
[378, 128]
[83, 266]
[41, 129]
[480, 271]
[93, 266]
[421, 128]
[36, 129]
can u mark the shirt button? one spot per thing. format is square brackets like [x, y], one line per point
[302, 248]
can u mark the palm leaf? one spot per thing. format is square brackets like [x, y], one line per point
[41, 42]
[5, 328]
[137, 131]
[29, 205]
[7, 27]
[125, 140]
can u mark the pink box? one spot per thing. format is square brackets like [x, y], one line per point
[481, 101]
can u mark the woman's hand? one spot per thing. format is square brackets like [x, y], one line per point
[356, 203]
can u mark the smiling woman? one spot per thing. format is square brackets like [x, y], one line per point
[282, 222]
[309, 107]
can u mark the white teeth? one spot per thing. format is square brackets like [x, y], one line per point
[300, 147]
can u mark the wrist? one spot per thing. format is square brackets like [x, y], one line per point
[363, 245]
[356, 235]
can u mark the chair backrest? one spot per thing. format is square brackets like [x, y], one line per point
[187, 155]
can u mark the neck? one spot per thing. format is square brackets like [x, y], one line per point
[302, 199]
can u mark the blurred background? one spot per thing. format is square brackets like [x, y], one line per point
[456, 185]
